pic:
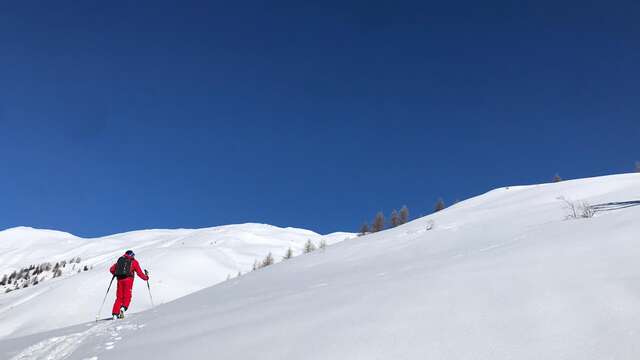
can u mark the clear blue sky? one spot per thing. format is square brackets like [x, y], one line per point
[116, 117]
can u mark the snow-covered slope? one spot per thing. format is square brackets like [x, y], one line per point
[501, 276]
[181, 261]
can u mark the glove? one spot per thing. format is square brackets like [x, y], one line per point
[146, 272]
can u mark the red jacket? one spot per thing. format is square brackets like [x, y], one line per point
[135, 267]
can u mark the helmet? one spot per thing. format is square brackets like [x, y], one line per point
[130, 253]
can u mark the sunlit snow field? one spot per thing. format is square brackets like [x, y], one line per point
[505, 275]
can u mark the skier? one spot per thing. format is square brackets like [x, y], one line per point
[123, 270]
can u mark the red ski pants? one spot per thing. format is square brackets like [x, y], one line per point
[123, 294]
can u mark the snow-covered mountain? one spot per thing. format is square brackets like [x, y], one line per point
[511, 274]
[180, 261]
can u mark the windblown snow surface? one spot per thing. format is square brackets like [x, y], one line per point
[180, 261]
[504, 275]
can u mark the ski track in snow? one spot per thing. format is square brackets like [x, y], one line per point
[59, 347]
[62, 347]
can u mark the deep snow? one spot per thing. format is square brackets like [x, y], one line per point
[501, 276]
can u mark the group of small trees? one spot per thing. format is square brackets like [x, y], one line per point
[268, 260]
[34, 274]
[397, 218]
[23, 278]
[379, 222]
[309, 246]
[637, 166]
[57, 269]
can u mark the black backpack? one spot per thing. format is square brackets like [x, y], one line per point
[123, 267]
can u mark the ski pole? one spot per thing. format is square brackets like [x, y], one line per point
[149, 288]
[105, 298]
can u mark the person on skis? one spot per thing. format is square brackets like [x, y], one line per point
[124, 270]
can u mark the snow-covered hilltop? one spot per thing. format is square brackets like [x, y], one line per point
[50, 279]
[510, 274]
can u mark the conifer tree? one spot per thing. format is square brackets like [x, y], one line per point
[439, 205]
[378, 222]
[268, 260]
[309, 247]
[557, 178]
[404, 215]
[395, 218]
[288, 255]
[364, 229]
